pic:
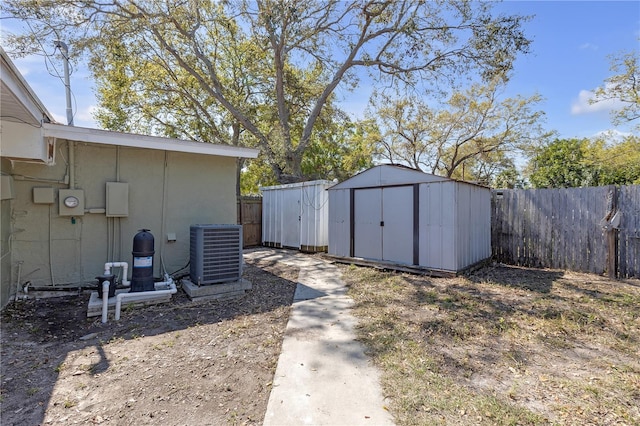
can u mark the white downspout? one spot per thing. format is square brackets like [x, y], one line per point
[142, 295]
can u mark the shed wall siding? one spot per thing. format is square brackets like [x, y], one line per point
[314, 222]
[437, 226]
[296, 216]
[339, 224]
[270, 221]
[473, 225]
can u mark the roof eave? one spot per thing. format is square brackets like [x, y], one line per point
[108, 137]
[15, 82]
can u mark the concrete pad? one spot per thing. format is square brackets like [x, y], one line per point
[226, 290]
[323, 376]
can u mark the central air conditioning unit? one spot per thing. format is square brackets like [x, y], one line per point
[216, 254]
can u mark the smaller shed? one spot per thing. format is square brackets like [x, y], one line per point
[296, 216]
[404, 216]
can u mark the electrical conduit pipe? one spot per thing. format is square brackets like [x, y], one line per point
[161, 288]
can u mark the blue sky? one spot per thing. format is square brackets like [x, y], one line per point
[571, 44]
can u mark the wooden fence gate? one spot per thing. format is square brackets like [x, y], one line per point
[250, 217]
[594, 229]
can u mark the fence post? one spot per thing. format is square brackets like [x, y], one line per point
[612, 234]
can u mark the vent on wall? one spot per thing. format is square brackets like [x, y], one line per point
[216, 253]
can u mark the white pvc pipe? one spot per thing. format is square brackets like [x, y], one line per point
[123, 265]
[105, 300]
[143, 295]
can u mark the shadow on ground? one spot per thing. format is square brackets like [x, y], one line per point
[38, 335]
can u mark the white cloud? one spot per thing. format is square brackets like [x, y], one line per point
[29, 65]
[581, 105]
[84, 117]
[588, 46]
[58, 118]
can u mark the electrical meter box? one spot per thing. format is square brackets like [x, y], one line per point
[71, 202]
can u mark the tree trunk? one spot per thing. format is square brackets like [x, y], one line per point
[239, 165]
[293, 170]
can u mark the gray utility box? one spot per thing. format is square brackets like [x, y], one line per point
[216, 253]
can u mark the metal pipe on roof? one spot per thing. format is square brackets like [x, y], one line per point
[67, 85]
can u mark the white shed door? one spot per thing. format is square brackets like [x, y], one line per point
[291, 218]
[367, 231]
[383, 224]
[397, 232]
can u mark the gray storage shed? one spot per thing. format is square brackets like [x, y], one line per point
[296, 216]
[403, 216]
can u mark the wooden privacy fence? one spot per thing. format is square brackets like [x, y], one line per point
[250, 217]
[593, 229]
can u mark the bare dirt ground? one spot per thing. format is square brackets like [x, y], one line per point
[504, 345]
[180, 363]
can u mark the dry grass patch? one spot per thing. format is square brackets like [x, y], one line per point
[504, 345]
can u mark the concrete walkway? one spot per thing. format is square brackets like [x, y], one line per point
[323, 376]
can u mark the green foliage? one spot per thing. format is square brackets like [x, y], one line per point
[567, 163]
[509, 178]
[622, 87]
[473, 135]
[264, 73]
[339, 150]
[560, 165]
[618, 163]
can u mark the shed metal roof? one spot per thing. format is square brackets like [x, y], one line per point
[388, 175]
[296, 185]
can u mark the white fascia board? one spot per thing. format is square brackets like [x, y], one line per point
[108, 137]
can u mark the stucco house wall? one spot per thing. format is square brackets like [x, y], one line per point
[164, 185]
[5, 234]
[168, 191]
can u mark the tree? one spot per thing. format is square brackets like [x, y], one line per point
[623, 86]
[509, 178]
[560, 165]
[340, 149]
[401, 40]
[473, 135]
[567, 163]
[615, 163]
